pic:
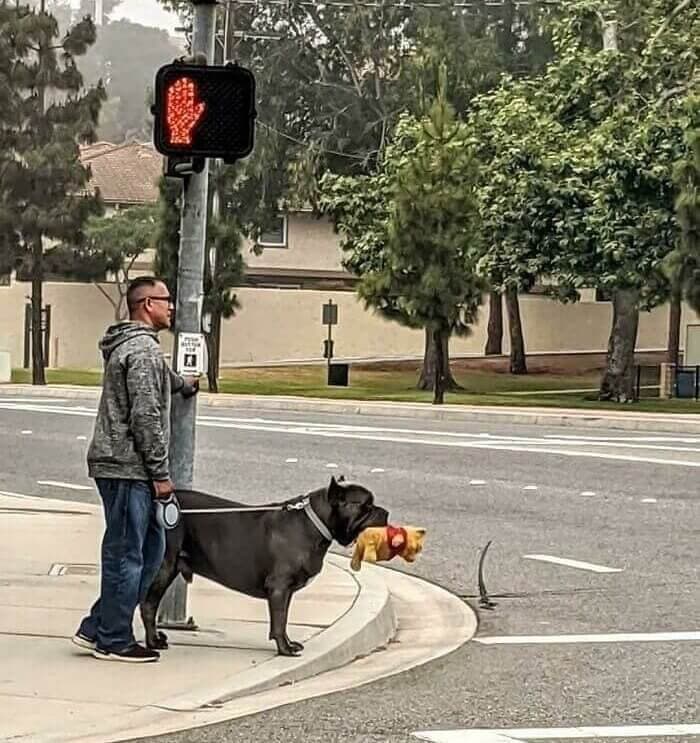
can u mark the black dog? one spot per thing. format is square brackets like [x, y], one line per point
[267, 554]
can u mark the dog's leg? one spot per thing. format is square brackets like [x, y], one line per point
[296, 646]
[156, 639]
[278, 599]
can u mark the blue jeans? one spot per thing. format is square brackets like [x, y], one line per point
[133, 548]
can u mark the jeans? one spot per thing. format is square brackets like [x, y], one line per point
[133, 548]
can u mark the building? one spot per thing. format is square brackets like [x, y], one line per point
[296, 269]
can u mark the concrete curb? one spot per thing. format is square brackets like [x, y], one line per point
[565, 417]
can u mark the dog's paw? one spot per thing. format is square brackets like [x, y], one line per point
[160, 642]
[289, 649]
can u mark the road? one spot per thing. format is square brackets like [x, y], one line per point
[611, 639]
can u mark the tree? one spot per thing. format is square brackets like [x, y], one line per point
[128, 77]
[622, 108]
[111, 247]
[516, 139]
[685, 261]
[43, 184]
[424, 276]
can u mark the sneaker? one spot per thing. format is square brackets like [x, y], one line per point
[83, 641]
[134, 654]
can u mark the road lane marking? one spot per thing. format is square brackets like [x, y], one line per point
[291, 460]
[649, 500]
[587, 494]
[589, 639]
[332, 466]
[531, 487]
[438, 438]
[66, 485]
[579, 733]
[376, 470]
[27, 433]
[477, 482]
[573, 563]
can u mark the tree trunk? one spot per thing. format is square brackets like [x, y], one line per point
[213, 338]
[38, 369]
[494, 342]
[518, 362]
[617, 383]
[427, 375]
[674, 328]
[439, 381]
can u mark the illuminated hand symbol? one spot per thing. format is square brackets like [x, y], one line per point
[184, 112]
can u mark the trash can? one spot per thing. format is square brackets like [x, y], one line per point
[338, 375]
[5, 367]
[686, 382]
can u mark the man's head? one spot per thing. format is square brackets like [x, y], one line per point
[149, 302]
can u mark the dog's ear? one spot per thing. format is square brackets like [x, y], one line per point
[335, 491]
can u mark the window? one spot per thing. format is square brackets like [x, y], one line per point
[276, 235]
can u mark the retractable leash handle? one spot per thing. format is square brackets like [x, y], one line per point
[168, 512]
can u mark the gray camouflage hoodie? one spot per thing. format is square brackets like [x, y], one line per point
[132, 429]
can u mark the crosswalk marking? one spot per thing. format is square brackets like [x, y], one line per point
[516, 735]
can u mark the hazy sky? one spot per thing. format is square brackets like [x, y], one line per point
[147, 12]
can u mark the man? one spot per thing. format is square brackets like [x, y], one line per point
[128, 458]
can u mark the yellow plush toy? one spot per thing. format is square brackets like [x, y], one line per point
[385, 542]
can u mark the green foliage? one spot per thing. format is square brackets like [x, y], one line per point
[421, 212]
[45, 115]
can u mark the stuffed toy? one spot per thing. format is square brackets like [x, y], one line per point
[385, 542]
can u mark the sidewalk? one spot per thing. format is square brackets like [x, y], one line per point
[52, 691]
[626, 420]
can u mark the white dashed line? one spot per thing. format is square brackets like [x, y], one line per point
[530, 487]
[573, 563]
[291, 460]
[81, 438]
[515, 735]
[66, 485]
[477, 482]
[376, 469]
[587, 494]
[583, 639]
[27, 433]
[332, 466]
[649, 500]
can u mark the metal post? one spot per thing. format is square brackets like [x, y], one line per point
[188, 317]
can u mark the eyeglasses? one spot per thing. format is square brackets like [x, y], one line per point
[167, 299]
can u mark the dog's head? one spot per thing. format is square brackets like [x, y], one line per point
[352, 509]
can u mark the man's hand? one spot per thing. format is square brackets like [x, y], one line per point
[190, 387]
[163, 489]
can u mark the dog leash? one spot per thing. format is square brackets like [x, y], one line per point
[168, 512]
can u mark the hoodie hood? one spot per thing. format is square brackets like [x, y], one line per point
[122, 332]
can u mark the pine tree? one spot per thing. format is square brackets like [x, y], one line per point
[429, 271]
[46, 115]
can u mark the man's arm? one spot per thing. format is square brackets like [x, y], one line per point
[180, 385]
[144, 382]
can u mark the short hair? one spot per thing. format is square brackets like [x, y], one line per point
[135, 290]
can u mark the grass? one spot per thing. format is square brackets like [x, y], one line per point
[398, 383]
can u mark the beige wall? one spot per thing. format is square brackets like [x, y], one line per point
[311, 244]
[285, 324]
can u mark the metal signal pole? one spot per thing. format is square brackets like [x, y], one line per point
[188, 315]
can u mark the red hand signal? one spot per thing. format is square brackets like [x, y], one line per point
[183, 110]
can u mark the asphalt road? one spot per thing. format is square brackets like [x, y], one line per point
[624, 505]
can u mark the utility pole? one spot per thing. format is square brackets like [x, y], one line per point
[188, 315]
